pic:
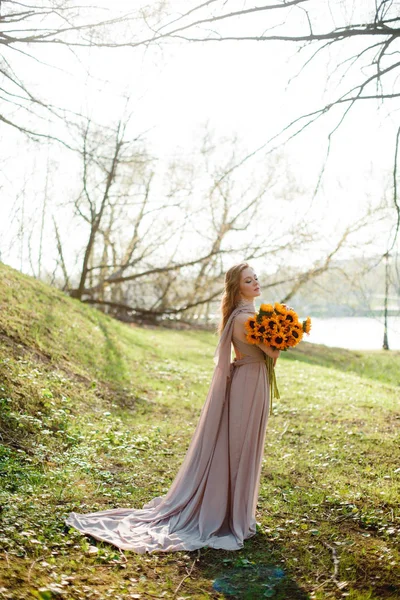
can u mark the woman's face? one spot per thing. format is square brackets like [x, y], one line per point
[249, 286]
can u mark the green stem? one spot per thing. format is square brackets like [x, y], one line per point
[273, 387]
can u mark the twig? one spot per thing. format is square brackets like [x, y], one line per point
[340, 519]
[123, 555]
[320, 585]
[284, 429]
[188, 575]
[7, 559]
[334, 577]
[115, 564]
[31, 567]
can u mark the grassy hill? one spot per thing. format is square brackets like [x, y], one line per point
[97, 414]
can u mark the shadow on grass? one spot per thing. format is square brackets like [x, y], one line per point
[233, 576]
[264, 576]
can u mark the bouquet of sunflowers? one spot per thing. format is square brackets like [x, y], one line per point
[277, 326]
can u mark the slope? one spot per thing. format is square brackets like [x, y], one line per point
[97, 414]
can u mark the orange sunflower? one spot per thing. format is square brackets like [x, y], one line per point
[279, 341]
[307, 325]
[251, 324]
[280, 309]
[291, 341]
[297, 333]
[277, 325]
[254, 337]
[267, 308]
[291, 316]
[286, 328]
[270, 323]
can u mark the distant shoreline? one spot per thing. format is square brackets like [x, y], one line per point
[359, 313]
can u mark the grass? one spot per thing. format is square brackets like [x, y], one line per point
[372, 364]
[95, 414]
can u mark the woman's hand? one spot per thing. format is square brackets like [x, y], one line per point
[274, 354]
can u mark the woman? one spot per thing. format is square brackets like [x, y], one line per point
[212, 500]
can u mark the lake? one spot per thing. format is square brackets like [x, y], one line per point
[354, 333]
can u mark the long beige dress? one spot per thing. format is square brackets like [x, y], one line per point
[212, 500]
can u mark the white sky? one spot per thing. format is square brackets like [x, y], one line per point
[235, 87]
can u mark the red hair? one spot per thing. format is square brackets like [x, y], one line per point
[231, 295]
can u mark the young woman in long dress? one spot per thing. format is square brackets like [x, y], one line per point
[212, 500]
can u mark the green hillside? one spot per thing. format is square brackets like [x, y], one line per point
[97, 414]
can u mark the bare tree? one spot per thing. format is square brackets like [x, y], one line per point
[96, 210]
[157, 247]
[311, 26]
[60, 25]
[362, 37]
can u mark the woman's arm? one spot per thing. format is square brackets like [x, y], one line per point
[269, 351]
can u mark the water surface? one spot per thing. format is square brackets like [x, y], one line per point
[355, 333]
